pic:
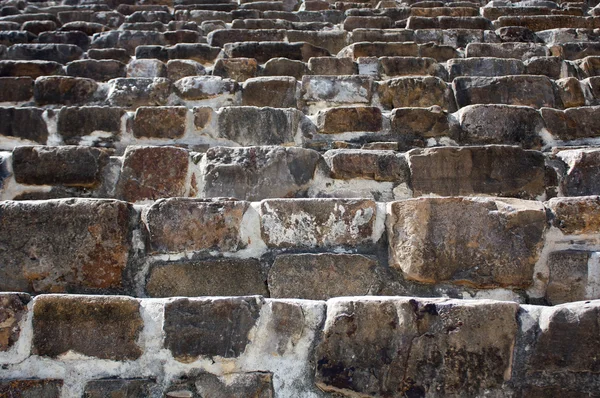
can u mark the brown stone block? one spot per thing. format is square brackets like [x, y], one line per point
[367, 164]
[160, 122]
[576, 216]
[277, 92]
[350, 118]
[13, 308]
[402, 92]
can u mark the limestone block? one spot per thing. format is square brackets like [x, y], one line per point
[63, 90]
[160, 122]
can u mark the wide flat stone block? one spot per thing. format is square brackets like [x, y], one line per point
[420, 122]
[344, 119]
[367, 164]
[489, 170]
[337, 89]
[31, 388]
[100, 70]
[67, 245]
[514, 50]
[576, 216]
[104, 327]
[486, 124]
[278, 92]
[24, 123]
[13, 309]
[119, 388]
[185, 224]
[487, 66]
[481, 242]
[77, 122]
[194, 88]
[160, 122]
[583, 174]
[397, 347]
[525, 90]
[150, 173]
[380, 49]
[572, 123]
[402, 92]
[265, 50]
[411, 66]
[216, 277]
[16, 89]
[63, 90]
[210, 327]
[317, 222]
[238, 69]
[256, 173]
[246, 384]
[319, 276]
[60, 53]
[33, 69]
[66, 165]
[138, 91]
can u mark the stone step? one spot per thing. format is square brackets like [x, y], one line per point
[176, 347]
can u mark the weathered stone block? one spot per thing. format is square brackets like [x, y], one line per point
[24, 123]
[402, 92]
[61, 53]
[105, 327]
[185, 224]
[249, 125]
[219, 277]
[67, 165]
[76, 122]
[368, 164]
[33, 69]
[204, 87]
[160, 122]
[285, 67]
[277, 92]
[471, 241]
[332, 66]
[101, 70]
[220, 37]
[75, 37]
[13, 308]
[366, 22]
[526, 90]
[265, 50]
[489, 170]
[486, 124]
[507, 50]
[302, 223]
[238, 69]
[247, 384]
[489, 67]
[575, 216]
[31, 388]
[318, 276]
[349, 118]
[404, 347]
[70, 245]
[573, 123]
[210, 327]
[63, 90]
[380, 49]
[411, 66]
[256, 173]
[570, 92]
[337, 89]
[582, 173]
[180, 68]
[16, 89]
[151, 173]
[569, 278]
[118, 388]
[135, 92]
[148, 68]
[421, 122]
[128, 39]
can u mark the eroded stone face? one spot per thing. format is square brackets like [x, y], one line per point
[160, 122]
[204, 384]
[69, 245]
[210, 327]
[367, 164]
[256, 173]
[568, 279]
[574, 216]
[119, 388]
[415, 347]
[350, 118]
[583, 172]
[483, 242]
[30, 388]
[13, 307]
[317, 222]
[105, 327]
[318, 276]
[401, 92]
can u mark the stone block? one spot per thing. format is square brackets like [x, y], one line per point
[367, 164]
[23, 123]
[569, 279]
[31, 388]
[337, 89]
[576, 216]
[238, 69]
[380, 49]
[215, 277]
[160, 122]
[285, 67]
[393, 347]
[570, 92]
[180, 68]
[411, 66]
[147, 68]
[135, 92]
[13, 309]
[199, 52]
[573, 123]
[60, 53]
[277, 92]
[67, 245]
[118, 388]
[488, 67]
[482, 242]
[101, 70]
[582, 173]
[318, 276]
[317, 223]
[344, 119]
[65, 165]
[104, 327]
[265, 50]
[196, 88]
[332, 66]
[516, 50]
[16, 89]
[63, 90]
[256, 173]
[402, 92]
[151, 173]
[210, 327]
[419, 122]
[33, 69]
[204, 384]
[77, 122]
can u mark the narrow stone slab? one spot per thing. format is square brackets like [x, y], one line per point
[483, 242]
[118, 388]
[105, 327]
[246, 384]
[317, 222]
[210, 327]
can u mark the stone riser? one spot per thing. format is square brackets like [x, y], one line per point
[313, 248]
[250, 346]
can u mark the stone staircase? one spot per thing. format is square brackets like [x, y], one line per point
[312, 199]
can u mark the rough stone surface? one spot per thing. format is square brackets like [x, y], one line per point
[255, 173]
[70, 245]
[490, 170]
[420, 123]
[317, 276]
[573, 123]
[368, 164]
[77, 122]
[31, 388]
[101, 70]
[484, 67]
[104, 327]
[134, 92]
[337, 89]
[569, 276]
[185, 224]
[118, 388]
[415, 347]
[207, 327]
[33, 69]
[150, 173]
[582, 174]
[574, 216]
[24, 123]
[13, 308]
[67, 165]
[160, 122]
[238, 69]
[219, 277]
[204, 87]
[63, 90]
[16, 89]
[317, 222]
[470, 241]
[424, 92]
[247, 384]
[349, 119]
[278, 92]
